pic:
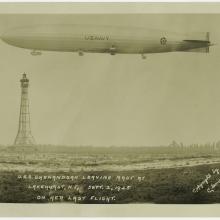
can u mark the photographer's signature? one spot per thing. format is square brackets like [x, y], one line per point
[215, 173]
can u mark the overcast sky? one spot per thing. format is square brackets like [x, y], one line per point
[106, 100]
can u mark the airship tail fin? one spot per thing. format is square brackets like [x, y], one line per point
[207, 36]
[199, 50]
[198, 37]
[207, 49]
[205, 42]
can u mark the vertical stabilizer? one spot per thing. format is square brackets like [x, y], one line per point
[207, 36]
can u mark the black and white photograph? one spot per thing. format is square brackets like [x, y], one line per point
[109, 108]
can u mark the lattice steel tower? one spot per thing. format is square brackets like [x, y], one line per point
[24, 136]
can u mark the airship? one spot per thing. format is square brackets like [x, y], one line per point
[104, 39]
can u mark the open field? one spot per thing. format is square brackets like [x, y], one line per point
[76, 159]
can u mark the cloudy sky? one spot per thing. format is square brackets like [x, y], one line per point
[106, 100]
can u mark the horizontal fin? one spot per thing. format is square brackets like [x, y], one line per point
[199, 50]
[198, 41]
[197, 37]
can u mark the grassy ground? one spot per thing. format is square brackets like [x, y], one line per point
[173, 185]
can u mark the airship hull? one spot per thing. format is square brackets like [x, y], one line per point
[103, 40]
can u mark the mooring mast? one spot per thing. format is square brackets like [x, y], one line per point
[24, 136]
